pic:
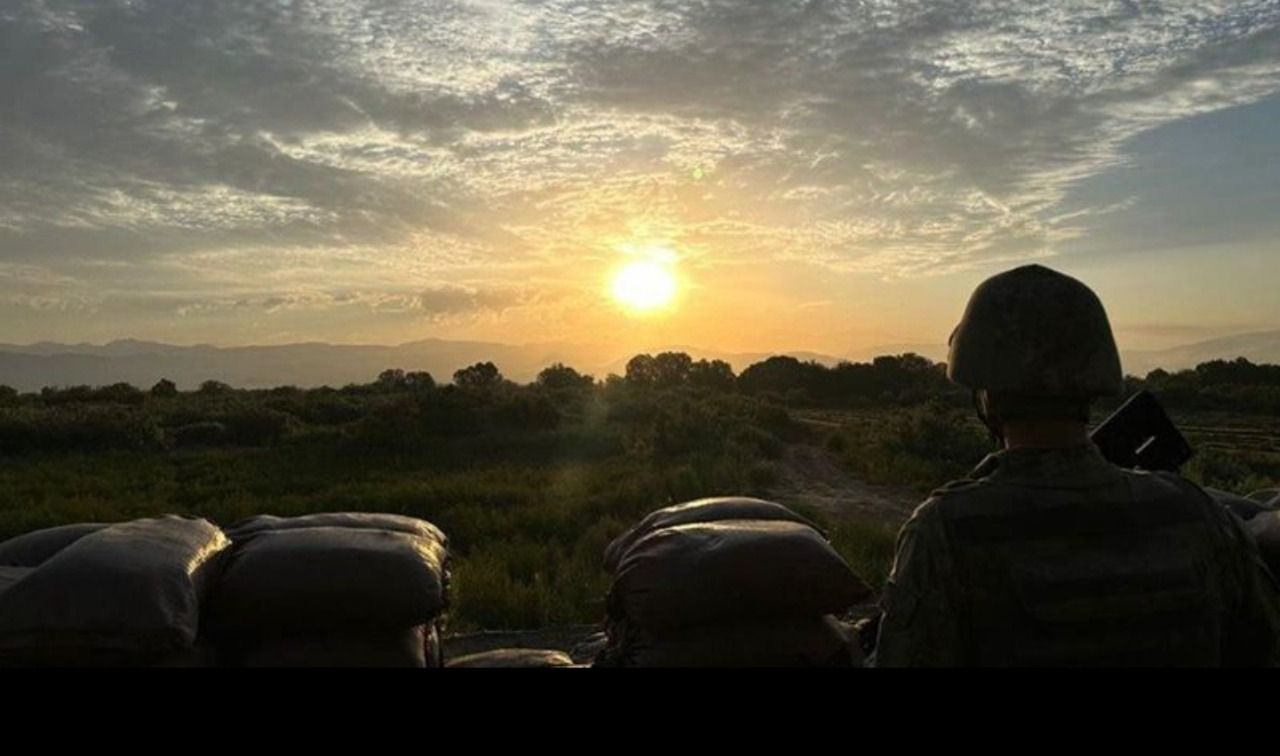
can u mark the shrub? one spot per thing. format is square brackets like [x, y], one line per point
[206, 433]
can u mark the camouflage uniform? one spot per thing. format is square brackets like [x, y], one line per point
[1055, 557]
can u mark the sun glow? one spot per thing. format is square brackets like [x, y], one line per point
[644, 286]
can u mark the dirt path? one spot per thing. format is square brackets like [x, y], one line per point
[810, 475]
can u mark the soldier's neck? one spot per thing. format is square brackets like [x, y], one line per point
[1045, 434]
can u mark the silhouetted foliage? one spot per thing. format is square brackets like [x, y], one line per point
[480, 376]
[559, 377]
[78, 428]
[207, 433]
[214, 388]
[531, 481]
[419, 380]
[715, 375]
[525, 412]
[1236, 386]
[164, 389]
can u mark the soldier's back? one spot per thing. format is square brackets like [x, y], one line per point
[1057, 558]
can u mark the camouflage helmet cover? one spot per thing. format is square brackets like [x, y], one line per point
[1035, 331]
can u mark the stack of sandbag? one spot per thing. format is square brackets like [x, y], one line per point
[729, 582]
[1244, 507]
[98, 595]
[332, 590]
[1264, 526]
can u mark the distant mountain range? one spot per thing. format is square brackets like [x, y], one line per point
[142, 363]
[1263, 347]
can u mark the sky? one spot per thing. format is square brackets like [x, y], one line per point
[823, 176]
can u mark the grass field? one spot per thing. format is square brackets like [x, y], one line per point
[529, 486]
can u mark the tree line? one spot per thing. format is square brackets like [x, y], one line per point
[908, 379]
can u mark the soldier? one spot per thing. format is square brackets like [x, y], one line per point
[1049, 555]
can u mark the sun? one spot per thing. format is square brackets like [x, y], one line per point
[644, 286]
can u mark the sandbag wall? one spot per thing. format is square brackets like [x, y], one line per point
[104, 595]
[1264, 526]
[327, 590]
[729, 582]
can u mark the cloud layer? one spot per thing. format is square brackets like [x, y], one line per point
[444, 158]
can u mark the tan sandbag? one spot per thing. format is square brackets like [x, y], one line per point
[34, 548]
[513, 658]
[712, 573]
[414, 647]
[1265, 529]
[322, 578]
[357, 520]
[131, 590]
[702, 510]
[813, 642]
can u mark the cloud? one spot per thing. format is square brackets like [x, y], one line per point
[215, 149]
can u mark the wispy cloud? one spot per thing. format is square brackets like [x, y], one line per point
[218, 148]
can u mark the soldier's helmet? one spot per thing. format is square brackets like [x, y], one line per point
[1037, 332]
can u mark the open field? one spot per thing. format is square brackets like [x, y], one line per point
[530, 482]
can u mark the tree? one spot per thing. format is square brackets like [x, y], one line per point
[164, 388]
[561, 377]
[390, 380]
[715, 375]
[672, 368]
[120, 393]
[419, 380]
[214, 388]
[482, 376]
[779, 375]
[642, 370]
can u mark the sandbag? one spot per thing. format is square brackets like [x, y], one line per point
[1265, 529]
[11, 575]
[702, 510]
[709, 573]
[1269, 497]
[415, 647]
[1243, 507]
[356, 520]
[127, 592]
[35, 548]
[513, 658]
[323, 578]
[809, 642]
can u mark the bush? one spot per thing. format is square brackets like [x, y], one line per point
[164, 389]
[199, 434]
[77, 428]
[924, 448]
[391, 426]
[1236, 472]
[257, 426]
[525, 412]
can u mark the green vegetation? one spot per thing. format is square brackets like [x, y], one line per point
[531, 482]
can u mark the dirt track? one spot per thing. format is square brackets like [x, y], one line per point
[809, 475]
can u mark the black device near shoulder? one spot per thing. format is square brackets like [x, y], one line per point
[1141, 435]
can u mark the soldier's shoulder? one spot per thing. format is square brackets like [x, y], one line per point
[1158, 484]
[1172, 487]
[954, 496]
